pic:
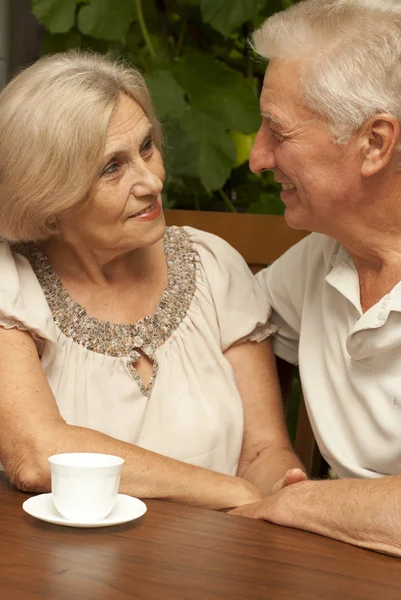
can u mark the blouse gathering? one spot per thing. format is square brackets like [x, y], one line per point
[191, 409]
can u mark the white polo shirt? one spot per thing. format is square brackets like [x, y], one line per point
[350, 362]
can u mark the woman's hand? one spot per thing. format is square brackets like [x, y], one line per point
[247, 493]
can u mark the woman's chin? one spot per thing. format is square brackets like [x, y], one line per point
[146, 233]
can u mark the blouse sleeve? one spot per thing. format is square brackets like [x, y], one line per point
[22, 302]
[240, 304]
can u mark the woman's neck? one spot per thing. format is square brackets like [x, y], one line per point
[74, 261]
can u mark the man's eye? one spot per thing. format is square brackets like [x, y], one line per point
[110, 169]
[276, 135]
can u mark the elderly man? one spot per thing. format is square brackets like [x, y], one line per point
[331, 108]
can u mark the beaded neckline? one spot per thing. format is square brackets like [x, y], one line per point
[123, 339]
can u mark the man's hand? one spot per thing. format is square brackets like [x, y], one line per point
[363, 512]
[266, 508]
[292, 476]
[257, 510]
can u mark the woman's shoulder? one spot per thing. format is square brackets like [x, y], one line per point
[13, 266]
[206, 238]
[16, 267]
[228, 285]
[219, 266]
[22, 301]
[213, 249]
[6, 253]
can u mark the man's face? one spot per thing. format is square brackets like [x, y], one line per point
[320, 179]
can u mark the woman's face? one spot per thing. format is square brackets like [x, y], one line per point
[124, 210]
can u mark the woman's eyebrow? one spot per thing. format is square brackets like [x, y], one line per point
[114, 154]
[124, 150]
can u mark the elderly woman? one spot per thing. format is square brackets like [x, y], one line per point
[117, 335]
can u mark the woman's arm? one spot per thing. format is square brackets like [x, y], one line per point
[32, 429]
[267, 454]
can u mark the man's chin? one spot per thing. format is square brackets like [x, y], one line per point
[295, 220]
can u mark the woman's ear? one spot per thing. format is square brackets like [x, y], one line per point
[379, 138]
[51, 222]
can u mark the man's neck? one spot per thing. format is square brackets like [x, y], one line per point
[377, 257]
[372, 236]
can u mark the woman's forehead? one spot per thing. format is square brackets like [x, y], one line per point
[128, 121]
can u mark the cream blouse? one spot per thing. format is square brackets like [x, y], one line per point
[191, 410]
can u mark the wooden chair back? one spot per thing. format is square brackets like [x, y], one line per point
[260, 239]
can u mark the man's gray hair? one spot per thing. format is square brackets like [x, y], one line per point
[351, 58]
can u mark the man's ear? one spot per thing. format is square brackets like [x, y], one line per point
[379, 137]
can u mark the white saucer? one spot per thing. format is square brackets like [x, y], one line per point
[126, 509]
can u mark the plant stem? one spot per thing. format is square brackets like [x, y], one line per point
[227, 201]
[197, 35]
[249, 64]
[181, 39]
[144, 29]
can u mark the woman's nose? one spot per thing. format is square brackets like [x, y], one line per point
[262, 155]
[149, 182]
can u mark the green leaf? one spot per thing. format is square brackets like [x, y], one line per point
[166, 201]
[267, 203]
[106, 19]
[216, 89]
[226, 15]
[213, 151]
[60, 42]
[57, 16]
[243, 145]
[198, 147]
[167, 95]
[204, 86]
[186, 3]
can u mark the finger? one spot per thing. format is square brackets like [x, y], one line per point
[294, 476]
[278, 486]
[248, 510]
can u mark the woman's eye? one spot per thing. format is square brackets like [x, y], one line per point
[110, 169]
[148, 146]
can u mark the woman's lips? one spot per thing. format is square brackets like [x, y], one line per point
[149, 213]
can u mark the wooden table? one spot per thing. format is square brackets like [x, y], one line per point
[178, 553]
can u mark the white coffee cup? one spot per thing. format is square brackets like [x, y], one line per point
[85, 485]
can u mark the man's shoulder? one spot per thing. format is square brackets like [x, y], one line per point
[315, 251]
[304, 266]
[319, 242]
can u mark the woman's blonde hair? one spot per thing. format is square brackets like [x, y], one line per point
[53, 121]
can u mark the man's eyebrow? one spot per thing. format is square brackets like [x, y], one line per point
[272, 118]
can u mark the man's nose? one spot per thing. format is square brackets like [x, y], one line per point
[262, 155]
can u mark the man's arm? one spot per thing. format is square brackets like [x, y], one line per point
[363, 512]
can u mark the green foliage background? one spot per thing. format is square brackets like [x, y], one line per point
[204, 79]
